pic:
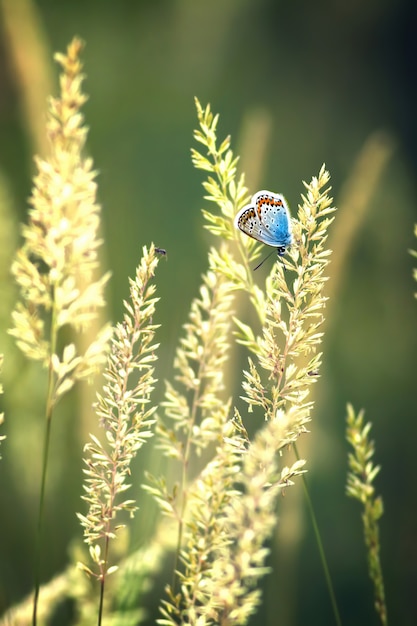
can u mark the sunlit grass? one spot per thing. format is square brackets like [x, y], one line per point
[219, 493]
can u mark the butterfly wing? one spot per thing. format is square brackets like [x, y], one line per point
[266, 219]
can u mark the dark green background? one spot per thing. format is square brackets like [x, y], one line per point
[327, 75]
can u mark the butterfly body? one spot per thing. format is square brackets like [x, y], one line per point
[267, 219]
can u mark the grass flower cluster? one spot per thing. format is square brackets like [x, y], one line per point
[290, 310]
[362, 473]
[55, 266]
[126, 417]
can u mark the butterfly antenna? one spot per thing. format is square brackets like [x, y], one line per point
[263, 261]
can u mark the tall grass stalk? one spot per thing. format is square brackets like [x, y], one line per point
[55, 266]
[361, 475]
[126, 417]
[311, 233]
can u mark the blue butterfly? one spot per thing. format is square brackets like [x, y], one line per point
[267, 219]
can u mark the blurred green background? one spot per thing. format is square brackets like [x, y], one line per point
[296, 84]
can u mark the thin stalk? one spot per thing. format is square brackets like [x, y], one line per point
[101, 602]
[319, 542]
[45, 456]
[103, 581]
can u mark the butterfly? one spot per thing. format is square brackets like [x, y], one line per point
[267, 219]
